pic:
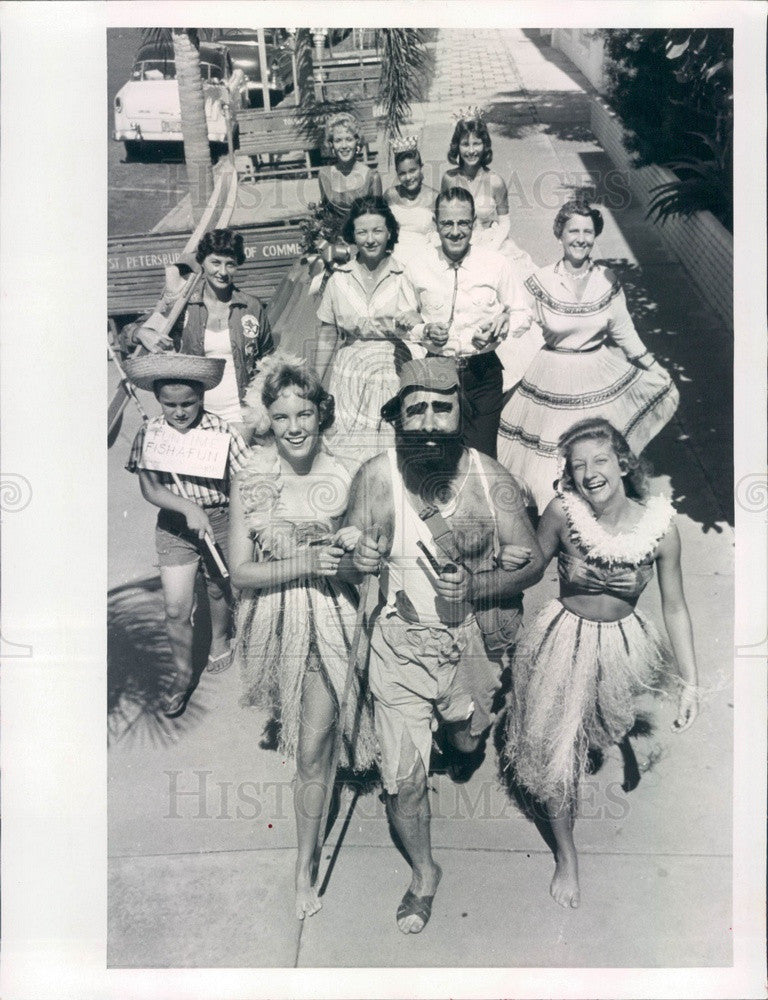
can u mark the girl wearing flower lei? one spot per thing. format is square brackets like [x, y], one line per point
[296, 611]
[583, 659]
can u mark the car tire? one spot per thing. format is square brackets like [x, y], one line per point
[218, 150]
[134, 150]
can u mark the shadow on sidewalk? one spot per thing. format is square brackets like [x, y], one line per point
[140, 669]
[561, 114]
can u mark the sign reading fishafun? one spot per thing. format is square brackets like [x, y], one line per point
[196, 453]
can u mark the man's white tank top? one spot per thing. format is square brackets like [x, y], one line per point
[407, 568]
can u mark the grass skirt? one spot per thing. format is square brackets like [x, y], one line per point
[561, 388]
[283, 631]
[573, 687]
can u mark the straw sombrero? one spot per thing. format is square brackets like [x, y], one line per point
[145, 371]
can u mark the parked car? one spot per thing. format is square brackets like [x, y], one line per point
[147, 108]
[243, 46]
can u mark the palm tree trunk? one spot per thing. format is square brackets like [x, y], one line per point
[196, 149]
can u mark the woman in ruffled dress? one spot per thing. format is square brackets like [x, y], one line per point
[368, 308]
[582, 660]
[346, 178]
[296, 615]
[471, 150]
[412, 201]
[592, 362]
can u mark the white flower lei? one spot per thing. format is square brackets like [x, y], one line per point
[629, 547]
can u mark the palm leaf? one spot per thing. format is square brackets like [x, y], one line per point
[403, 75]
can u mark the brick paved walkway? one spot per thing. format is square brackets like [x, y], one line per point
[202, 839]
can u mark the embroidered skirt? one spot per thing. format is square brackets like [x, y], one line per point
[363, 378]
[558, 389]
[281, 633]
[573, 687]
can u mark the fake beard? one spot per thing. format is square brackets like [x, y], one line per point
[426, 469]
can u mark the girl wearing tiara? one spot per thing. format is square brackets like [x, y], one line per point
[579, 664]
[411, 200]
[471, 151]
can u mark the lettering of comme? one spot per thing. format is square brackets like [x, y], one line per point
[135, 262]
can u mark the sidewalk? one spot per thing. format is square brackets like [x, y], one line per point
[202, 838]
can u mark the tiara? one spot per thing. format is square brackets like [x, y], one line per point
[404, 144]
[472, 112]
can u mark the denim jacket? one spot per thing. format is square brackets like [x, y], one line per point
[249, 332]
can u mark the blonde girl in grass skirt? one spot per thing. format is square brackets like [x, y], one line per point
[580, 663]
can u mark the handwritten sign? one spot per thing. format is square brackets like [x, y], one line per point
[196, 453]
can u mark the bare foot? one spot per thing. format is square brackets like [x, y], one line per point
[419, 899]
[307, 900]
[565, 882]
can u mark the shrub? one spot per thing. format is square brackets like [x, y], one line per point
[673, 90]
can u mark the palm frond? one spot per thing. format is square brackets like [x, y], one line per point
[403, 75]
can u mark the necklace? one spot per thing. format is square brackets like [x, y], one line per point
[628, 547]
[582, 275]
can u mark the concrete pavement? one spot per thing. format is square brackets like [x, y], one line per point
[201, 824]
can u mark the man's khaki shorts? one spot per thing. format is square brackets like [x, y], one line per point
[417, 672]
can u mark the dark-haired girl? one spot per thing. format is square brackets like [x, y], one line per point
[219, 321]
[367, 309]
[592, 363]
[580, 663]
[412, 202]
[470, 149]
[295, 618]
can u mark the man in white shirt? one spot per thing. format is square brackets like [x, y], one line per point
[470, 299]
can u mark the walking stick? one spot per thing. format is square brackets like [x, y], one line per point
[210, 543]
[354, 656]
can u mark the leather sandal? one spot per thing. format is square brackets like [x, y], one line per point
[218, 664]
[412, 905]
[415, 906]
[175, 705]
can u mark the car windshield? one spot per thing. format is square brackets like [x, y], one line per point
[165, 69]
[272, 36]
[154, 69]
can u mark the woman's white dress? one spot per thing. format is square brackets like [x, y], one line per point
[416, 220]
[584, 369]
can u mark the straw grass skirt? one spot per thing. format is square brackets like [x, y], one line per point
[573, 687]
[284, 631]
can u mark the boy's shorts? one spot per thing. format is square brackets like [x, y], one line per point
[176, 545]
[416, 672]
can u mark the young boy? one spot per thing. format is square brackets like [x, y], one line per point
[179, 382]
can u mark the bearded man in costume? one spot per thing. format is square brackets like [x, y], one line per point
[434, 516]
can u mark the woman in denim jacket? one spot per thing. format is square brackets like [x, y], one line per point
[219, 321]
